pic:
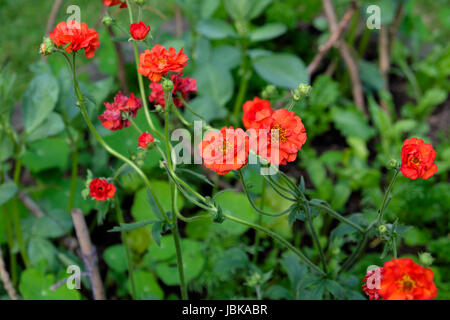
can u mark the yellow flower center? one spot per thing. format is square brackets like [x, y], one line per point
[415, 160]
[277, 134]
[407, 283]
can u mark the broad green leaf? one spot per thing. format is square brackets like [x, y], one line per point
[46, 154]
[147, 288]
[107, 56]
[53, 224]
[325, 92]
[51, 126]
[35, 285]
[230, 261]
[39, 100]
[245, 9]
[39, 250]
[7, 191]
[226, 56]
[141, 210]
[282, 69]
[215, 29]
[214, 82]
[7, 148]
[208, 7]
[207, 108]
[352, 123]
[235, 204]
[267, 32]
[115, 257]
[370, 75]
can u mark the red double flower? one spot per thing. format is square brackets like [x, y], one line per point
[159, 61]
[139, 30]
[225, 150]
[401, 279]
[145, 139]
[183, 86]
[276, 136]
[100, 189]
[115, 117]
[74, 36]
[418, 159]
[111, 3]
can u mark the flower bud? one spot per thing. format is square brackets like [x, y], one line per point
[140, 2]
[382, 229]
[296, 95]
[47, 46]
[167, 85]
[304, 89]
[426, 258]
[159, 108]
[269, 92]
[107, 20]
[393, 163]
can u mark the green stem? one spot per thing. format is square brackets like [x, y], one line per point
[16, 215]
[250, 199]
[355, 255]
[177, 241]
[257, 234]
[246, 74]
[108, 148]
[315, 238]
[73, 178]
[386, 197]
[127, 250]
[130, 12]
[337, 215]
[280, 239]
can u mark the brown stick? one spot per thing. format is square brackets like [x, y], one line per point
[335, 36]
[28, 202]
[344, 50]
[88, 253]
[4, 275]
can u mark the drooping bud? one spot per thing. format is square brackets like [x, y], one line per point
[305, 89]
[382, 229]
[296, 95]
[426, 258]
[47, 46]
[107, 20]
[393, 163]
[140, 2]
[167, 85]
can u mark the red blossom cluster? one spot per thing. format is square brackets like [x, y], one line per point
[145, 140]
[401, 279]
[73, 36]
[417, 159]
[183, 86]
[100, 189]
[159, 61]
[116, 115]
[276, 135]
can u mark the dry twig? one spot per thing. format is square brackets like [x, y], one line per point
[4, 275]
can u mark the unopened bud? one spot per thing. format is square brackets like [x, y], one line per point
[382, 228]
[47, 46]
[426, 258]
[140, 2]
[159, 108]
[107, 20]
[269, 92]
[304, 89]
[167, 85]
[393, 163]
[296, 95]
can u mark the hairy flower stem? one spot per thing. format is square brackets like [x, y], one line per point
[257, 234]
[127, 250]
[386, 197]
[283, 241]
[107, 147]
[315, 238]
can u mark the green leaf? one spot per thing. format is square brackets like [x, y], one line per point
[141, 210]
[245, 9]
[214, 82]
[116, 258]
[325, 92]
[51, 126]
[283, 70]
[42, 250]
[156, 232]
[207, 108]
[7, 148]
[147, 288]
[215, 29]
[431, 98]
[132, 226]
[7, 191]
[39, 100]
[370, 75]
[267, 32]
[208, 7]
[226, 56]
[235, 204]
[46, 154]
[351, 122]
[35, 285]
[107, 56]
[230, 261]
[53, 224]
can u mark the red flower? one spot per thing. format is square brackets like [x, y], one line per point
[257, 113]
[139, 30]
[111, 3]
[184, 86]
[372, 282]
[405, 280]
[116, 113]
[101, 190]
[278, 140]
[75, 36]
[225, 150]
[157, 62]
[144, 140]
[417, 159]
